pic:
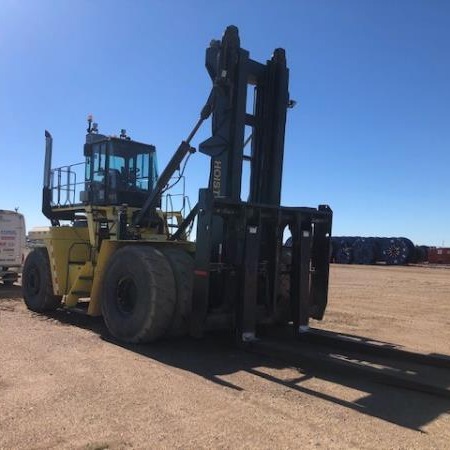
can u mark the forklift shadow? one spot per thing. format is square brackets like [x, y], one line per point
[215, 357]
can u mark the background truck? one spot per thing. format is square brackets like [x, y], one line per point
[12, 245]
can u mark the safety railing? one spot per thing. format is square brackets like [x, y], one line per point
[176, 204]
[65, 186]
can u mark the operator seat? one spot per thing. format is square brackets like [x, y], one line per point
[116, 181]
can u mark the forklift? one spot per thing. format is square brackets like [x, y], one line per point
[114, 250]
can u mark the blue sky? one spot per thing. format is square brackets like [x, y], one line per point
[370, 135]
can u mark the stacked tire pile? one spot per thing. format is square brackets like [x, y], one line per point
[371, 250]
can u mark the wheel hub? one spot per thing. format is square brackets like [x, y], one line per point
[34, 281]
[126, 295]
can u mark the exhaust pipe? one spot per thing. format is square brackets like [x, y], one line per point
[48, 158]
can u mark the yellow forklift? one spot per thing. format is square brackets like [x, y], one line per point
[113, 250]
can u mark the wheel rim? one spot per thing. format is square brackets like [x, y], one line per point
[33, 281]
[126, 297]
[394, 252]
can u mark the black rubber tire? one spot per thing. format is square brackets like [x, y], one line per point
[410, 250]
[344, 251]
[396, 251]
[380, 257]
[37, 288]
[8, 282]
[422, 253]
[183, 270]
[364, 251]
[138, 295]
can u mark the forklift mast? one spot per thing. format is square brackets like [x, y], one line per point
[232, 72]
[239, 241]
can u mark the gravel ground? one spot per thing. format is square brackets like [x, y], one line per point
[64, 384]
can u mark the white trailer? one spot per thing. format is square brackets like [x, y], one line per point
[12, 245]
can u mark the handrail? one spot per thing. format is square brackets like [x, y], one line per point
[64, 184]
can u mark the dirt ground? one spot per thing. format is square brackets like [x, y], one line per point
[64, 384]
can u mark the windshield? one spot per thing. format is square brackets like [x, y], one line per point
[134, 165]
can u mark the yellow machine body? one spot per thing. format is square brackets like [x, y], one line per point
[78, 255]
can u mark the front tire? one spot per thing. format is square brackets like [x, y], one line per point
[183, 270]
[37, 285]
[138, 295]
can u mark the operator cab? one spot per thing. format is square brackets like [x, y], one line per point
[118, 170]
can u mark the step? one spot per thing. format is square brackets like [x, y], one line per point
[85, 277]
[81, 293]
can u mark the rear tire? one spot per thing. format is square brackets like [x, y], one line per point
[37, 285]
[138, 295]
